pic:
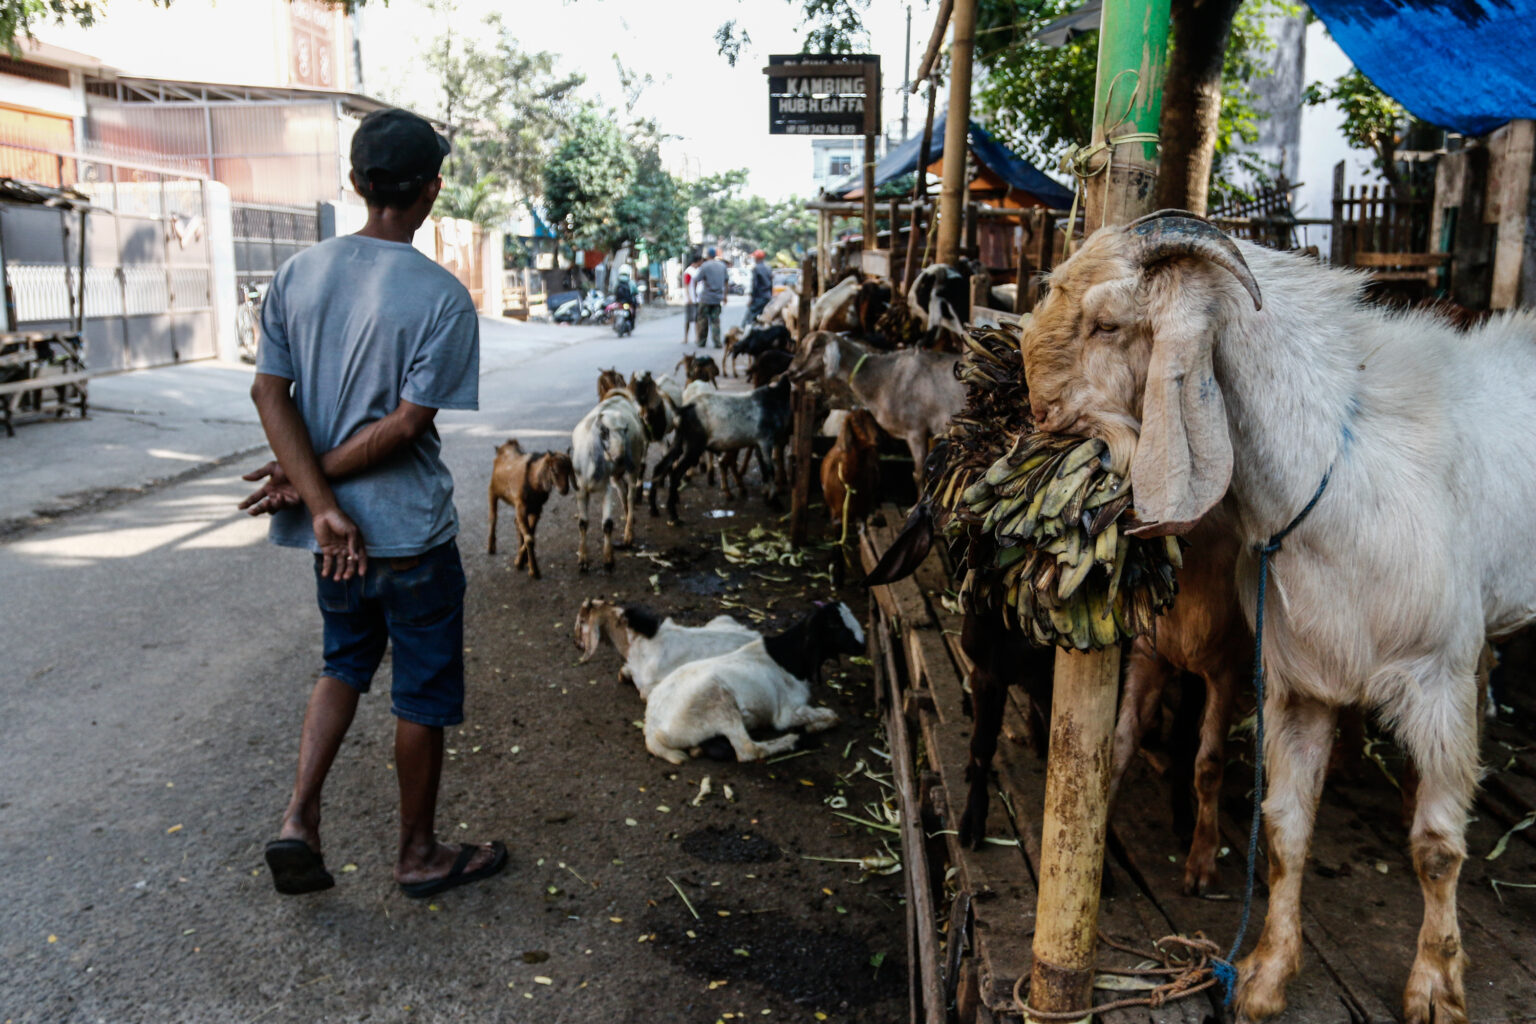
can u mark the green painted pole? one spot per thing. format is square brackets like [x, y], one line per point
[1133, 47]
[1127, 99]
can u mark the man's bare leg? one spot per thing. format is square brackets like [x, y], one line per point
[419, 765]
[332, 703]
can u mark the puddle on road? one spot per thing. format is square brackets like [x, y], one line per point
[729, 846]
[827, 969]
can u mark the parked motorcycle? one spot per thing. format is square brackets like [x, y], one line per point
[581, 308]
[248, 320]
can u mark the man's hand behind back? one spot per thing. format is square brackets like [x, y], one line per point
[275, 494]
[342, 554]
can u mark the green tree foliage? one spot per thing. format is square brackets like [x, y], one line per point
[482, 201]
[590, 171]
[1039, 99]
[1372, 119]
[782, 229]
[830, 26]
[502, 106]
[652, 215]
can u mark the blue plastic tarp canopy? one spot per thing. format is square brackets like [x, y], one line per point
[1013, 169]
[1465, 65]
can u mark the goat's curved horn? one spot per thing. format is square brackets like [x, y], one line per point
[1170, 233]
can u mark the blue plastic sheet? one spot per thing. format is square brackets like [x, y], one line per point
[1465, 65]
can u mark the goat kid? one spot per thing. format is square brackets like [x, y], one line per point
[698, 368]
[524, 481]
[757, 340]
[607, 380]
[764, 683]
[652, 647]
[608, 454]
[850, 472]
[1223, 372]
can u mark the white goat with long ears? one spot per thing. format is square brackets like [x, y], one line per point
[1152, 338]
[608, 453]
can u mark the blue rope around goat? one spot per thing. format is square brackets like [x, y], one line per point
[1224, 969]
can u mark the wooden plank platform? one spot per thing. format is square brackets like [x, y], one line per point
[1361, 902]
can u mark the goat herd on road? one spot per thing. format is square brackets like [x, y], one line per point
[1235, 387]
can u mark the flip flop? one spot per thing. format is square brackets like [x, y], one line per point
[297, 868]
[456, 875]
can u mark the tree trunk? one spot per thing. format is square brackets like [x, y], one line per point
[1192, 101]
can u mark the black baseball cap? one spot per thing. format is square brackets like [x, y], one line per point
[394, 150]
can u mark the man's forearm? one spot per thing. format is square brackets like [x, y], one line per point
[372, 444]
[291, 443]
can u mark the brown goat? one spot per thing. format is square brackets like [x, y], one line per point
[1204, 633]
[850, 474]
[607, 380]
[524, 482]
[699, 368]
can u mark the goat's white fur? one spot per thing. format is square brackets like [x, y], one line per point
[648, 659]
[608, 452]
[1383, 596]
[729, 695]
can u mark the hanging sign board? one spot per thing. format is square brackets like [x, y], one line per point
[823, 94]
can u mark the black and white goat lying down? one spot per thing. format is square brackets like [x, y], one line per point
[650, 646]
[764, 683]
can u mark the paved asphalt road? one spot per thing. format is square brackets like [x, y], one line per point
[157, 656]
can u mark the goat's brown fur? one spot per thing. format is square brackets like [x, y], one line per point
[607, 380]
[525, 481]
[850, 473]
[700, 368]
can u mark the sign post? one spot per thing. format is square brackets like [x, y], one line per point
[829, 94]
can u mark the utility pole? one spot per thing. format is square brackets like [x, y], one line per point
[906, 75]
[1133, 47]
[957, 130]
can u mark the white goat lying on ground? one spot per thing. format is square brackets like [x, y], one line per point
[1419, 547]
[651, 647]
[761, 684]
[608, 452]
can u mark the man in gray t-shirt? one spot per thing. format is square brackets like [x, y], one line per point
[363, 340]
[712, 296]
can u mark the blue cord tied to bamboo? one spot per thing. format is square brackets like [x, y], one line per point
[1224, 968]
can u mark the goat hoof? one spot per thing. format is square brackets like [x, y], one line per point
[1199, 879]
[583, 568]
[1260, 989]
[608, 567]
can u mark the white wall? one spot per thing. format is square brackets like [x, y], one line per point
[219, 222]
[1322, 139]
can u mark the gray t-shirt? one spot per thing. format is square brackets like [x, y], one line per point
[360, 324]
[711, 278]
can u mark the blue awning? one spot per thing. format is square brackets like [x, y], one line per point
[1017, 172]
[1466, 65]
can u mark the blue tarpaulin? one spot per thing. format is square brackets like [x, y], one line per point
[1465, 65]
[1017, 172]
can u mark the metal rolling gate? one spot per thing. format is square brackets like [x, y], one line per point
[148, 273]
[266, 235]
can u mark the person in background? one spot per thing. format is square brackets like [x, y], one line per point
[762, 287]
[690, 294]
[711, 277]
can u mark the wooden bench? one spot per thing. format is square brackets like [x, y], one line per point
[1411, 267]
[69, 391]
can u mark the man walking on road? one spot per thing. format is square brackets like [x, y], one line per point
[762, 286]
[711, 278]
[691, 294]
[363, 340]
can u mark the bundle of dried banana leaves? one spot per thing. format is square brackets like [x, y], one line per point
[1038, 518]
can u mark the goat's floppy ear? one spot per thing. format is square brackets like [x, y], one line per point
[1183, 461]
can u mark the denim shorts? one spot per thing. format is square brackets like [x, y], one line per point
[417, 604]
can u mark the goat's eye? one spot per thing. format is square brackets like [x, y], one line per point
[1105, 327]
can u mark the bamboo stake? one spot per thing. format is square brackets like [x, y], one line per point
[956, 130]
[1133, 42]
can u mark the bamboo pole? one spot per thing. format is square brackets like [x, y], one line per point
[956, 130]
[1133, 37]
